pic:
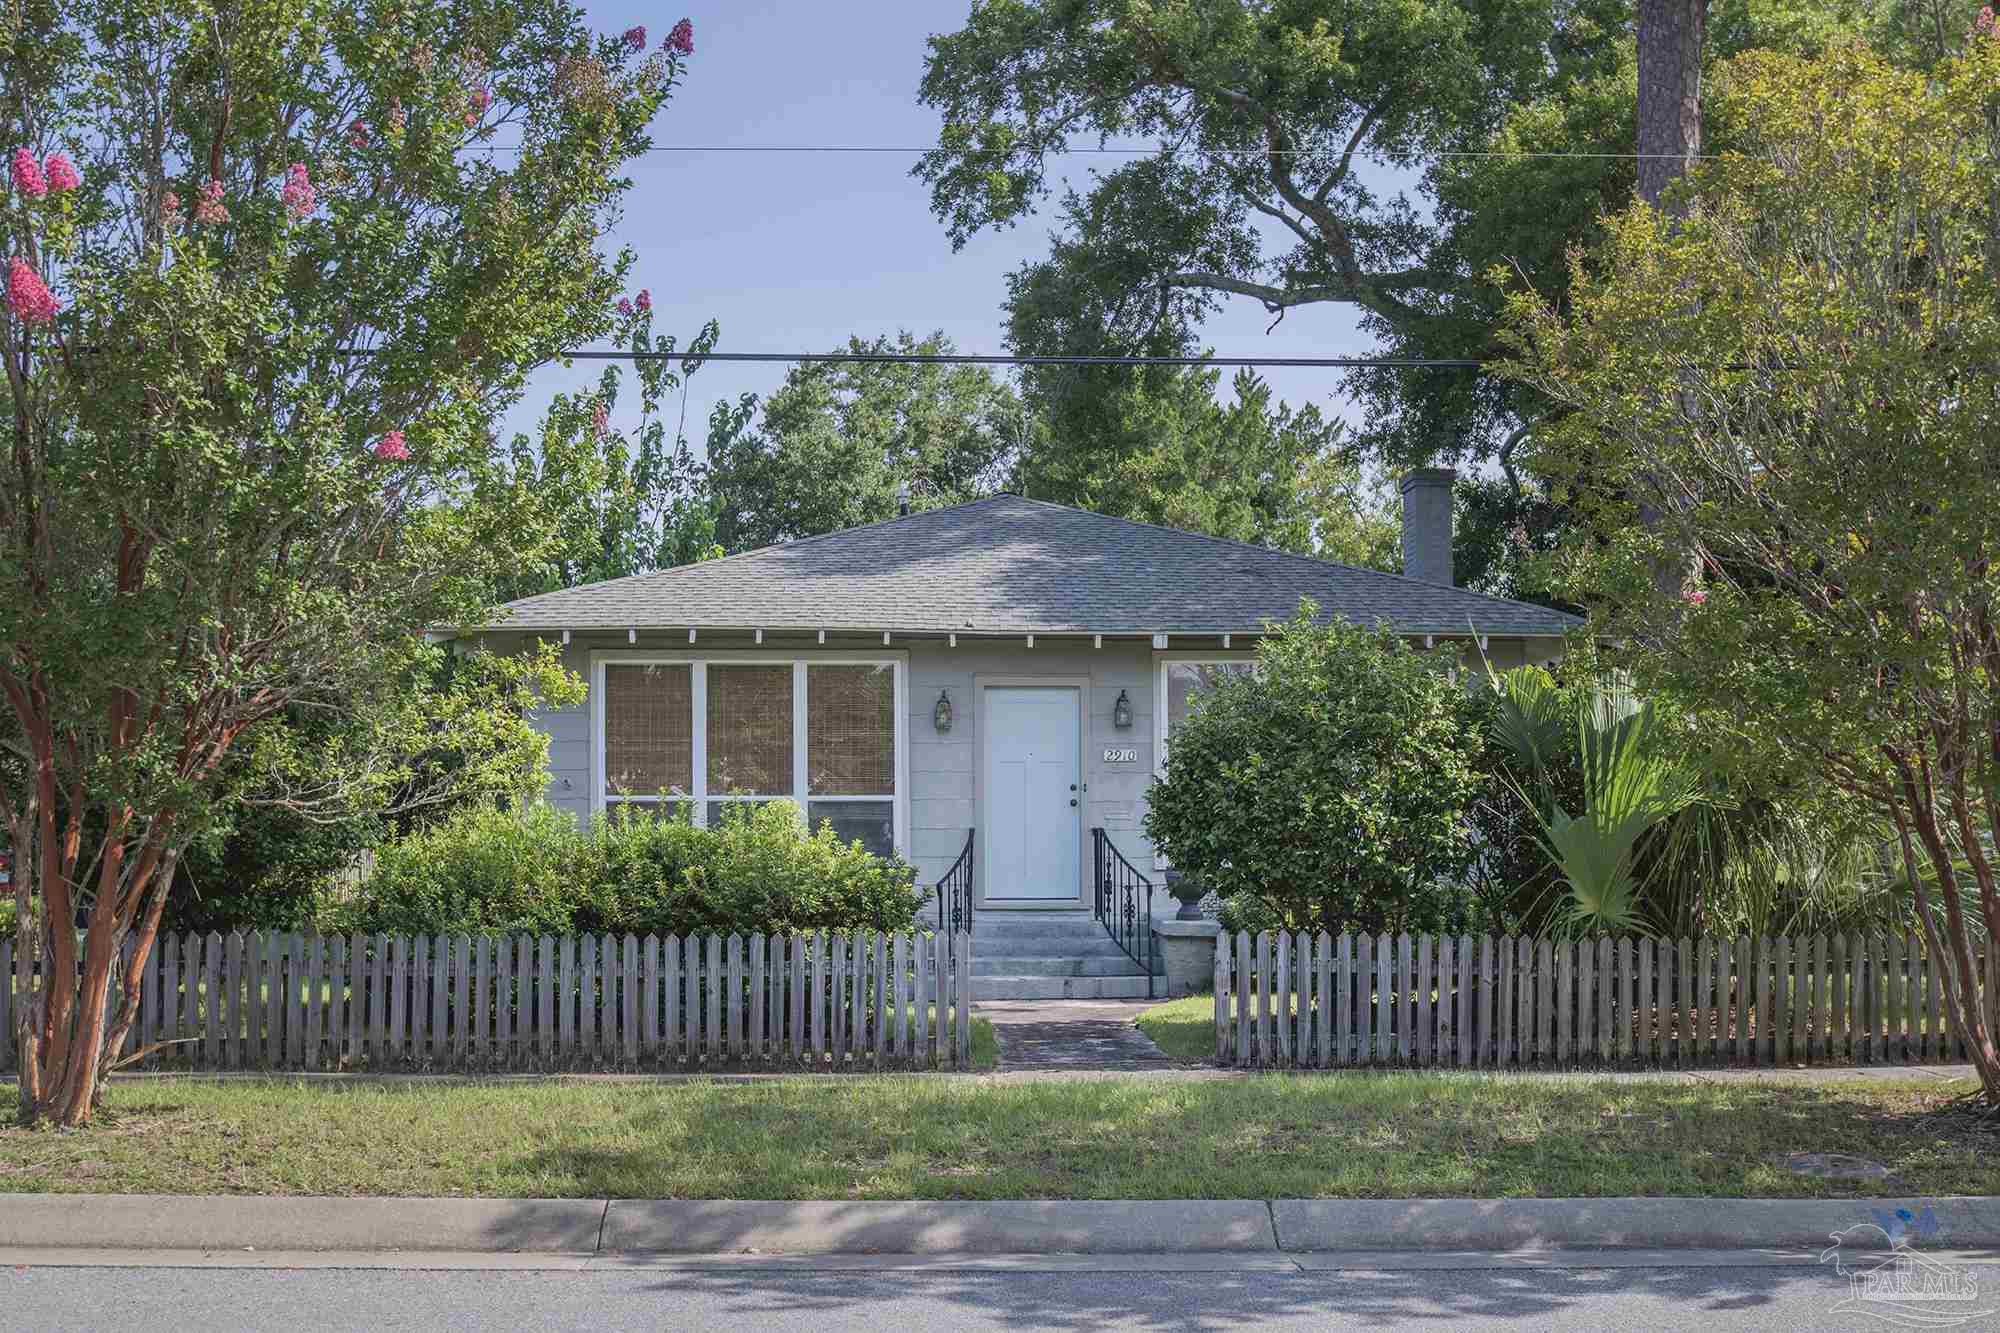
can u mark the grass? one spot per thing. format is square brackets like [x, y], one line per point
[1184, 1029]
[985, 1045]
[1346, 1136]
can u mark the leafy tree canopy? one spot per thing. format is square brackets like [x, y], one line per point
[1798, 380]
[616, 500]
[841, 443]
[1271, 120]
[266, 292]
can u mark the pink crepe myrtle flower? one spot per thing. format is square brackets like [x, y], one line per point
[27, 295]
[62, 173]
[1985, 22]
[209, 207]
[391, 449]
[357, 134]
[635, 38]
[624, 305]
[600, 418]
[482, 98]
[645, 302]
[298, 194]
[681, 39]
[28, 178]
[1694, 597]
[170, 211]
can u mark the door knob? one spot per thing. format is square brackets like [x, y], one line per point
[1072, 800]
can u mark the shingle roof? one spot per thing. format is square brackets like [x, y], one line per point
[1010, 565]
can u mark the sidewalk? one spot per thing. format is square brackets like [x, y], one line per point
[602, 1227]
[1072, 1036]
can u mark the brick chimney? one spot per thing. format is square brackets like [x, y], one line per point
[1427, 524]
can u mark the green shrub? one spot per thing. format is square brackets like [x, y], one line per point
[631, 872]
[770, 873]
[481, 870]
[1249, 911]
[268, 870]
[1333, 783]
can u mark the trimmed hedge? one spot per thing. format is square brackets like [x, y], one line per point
[631, 872]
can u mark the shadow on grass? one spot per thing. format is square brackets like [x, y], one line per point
[1365, 1136]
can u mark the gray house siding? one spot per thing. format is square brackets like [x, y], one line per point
[944, 796]
[943, 769]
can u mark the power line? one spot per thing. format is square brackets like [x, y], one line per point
[974, 359]
[1085, 149]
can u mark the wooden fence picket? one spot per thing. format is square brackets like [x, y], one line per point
[1421, 1046]
[905, 995]
[1300, 1000]
[930, 1011]
[7, 1055]
[211, 1000]
[883, 986]
[166, 950]
[1281, 992]
[1377, 985]
[1913, 998]
[839, 1000]
[1933, 1009]
[315, 1001]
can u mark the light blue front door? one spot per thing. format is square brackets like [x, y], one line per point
[1033, 829]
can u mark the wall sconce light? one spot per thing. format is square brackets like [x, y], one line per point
[941, 715]
[1121, 712]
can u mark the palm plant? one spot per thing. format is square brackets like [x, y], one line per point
[1633, 782]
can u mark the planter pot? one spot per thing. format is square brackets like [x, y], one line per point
[1188, 893]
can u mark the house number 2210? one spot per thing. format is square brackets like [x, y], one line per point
[1125, 756]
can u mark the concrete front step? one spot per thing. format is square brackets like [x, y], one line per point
[1058, 988]
[1052, 965]
[1099, 945]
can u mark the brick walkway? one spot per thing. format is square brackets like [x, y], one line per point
[1073, 1035]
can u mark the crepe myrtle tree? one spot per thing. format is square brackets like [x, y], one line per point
[272, 268]
[1799, 377]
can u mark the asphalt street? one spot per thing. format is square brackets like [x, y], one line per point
[937, 1296]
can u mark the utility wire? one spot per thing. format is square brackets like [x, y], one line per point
[974, 359]
[1086, 149]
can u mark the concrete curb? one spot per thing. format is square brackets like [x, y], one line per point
[264, 1222]
[1083, 1226]
[728, 1227]
[1306, 1225]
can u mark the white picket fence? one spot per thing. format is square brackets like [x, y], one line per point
[456, 1002]
[1319, 1000]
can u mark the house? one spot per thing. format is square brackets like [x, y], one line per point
[982, 687]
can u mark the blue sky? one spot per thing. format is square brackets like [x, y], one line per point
[794, 252]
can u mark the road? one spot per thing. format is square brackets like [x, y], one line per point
[1709, 1293]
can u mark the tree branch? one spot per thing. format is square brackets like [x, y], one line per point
[1369, 292]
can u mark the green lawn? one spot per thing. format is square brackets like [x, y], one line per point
[1184, 1029]
[1344, 1136]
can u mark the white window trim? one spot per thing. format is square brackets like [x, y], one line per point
[1161, 662]
[698, 663]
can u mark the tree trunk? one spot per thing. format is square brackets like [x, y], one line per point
[1669, 140]
[70, 1036]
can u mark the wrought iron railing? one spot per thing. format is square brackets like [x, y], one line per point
[1124, 904]
[954, 892]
